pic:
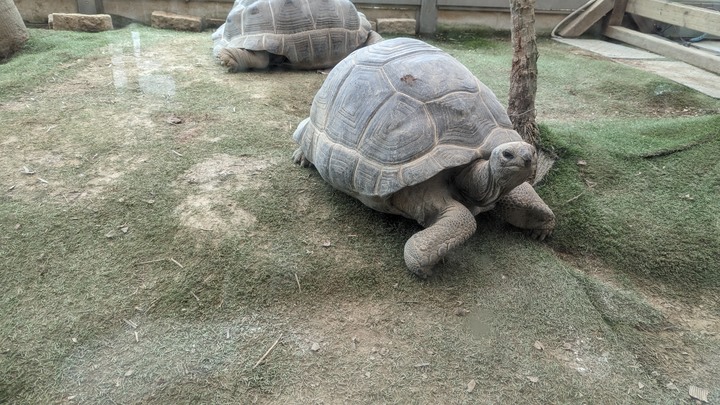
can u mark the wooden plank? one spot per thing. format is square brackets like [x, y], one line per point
[682, 15]
[666, 48]
[618, 13]
[428, 17]
[387, 3]
[541, 5]
[586, 19]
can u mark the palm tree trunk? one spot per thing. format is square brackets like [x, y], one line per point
[13, 32]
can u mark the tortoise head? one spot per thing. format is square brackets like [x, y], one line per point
[512, 163]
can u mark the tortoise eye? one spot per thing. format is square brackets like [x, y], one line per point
[508, 155]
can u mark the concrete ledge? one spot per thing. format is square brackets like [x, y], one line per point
[80, 22]
[178, 22]
[401, 26]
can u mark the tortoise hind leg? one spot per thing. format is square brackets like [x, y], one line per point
[523, 208]
[236, 59]
[373, 38]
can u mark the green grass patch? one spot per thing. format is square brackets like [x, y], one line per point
[640, 194]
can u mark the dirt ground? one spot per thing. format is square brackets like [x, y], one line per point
[268, 286]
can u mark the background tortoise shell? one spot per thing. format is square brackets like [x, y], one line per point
[395, 114]
[310, 34]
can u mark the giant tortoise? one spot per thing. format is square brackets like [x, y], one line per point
[408, 130]
[304, 34]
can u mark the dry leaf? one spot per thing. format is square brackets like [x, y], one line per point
[698, 393]
[538, 345]
[471, 385]
[315, 346]
[533, 379]
[327, 243]
[129, 373]
[581, 163]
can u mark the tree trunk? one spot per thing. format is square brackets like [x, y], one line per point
[523, 75]
[13, 33]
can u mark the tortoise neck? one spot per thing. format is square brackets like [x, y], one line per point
[476, 185]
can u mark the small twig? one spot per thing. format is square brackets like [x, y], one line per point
[176, 262]
[137, 338]
[196, 297]
[574, 198]
[267, 352]
[152, 304]
[297, 280]
[149, 261]
[176, 152]
[130, 323]
[42, 180]
[522, 113]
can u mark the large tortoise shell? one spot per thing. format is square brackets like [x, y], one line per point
[397, 113]
[310, 34]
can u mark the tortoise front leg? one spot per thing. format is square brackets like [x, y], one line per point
[523, 208]
[236, 59]
[452, 227]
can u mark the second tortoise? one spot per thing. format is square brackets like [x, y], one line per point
[302, 34]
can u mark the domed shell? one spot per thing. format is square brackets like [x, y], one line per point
[397, 113]
[310, 34]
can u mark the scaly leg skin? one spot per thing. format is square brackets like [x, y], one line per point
[452, 227]
[237, 60]
[299, 158]
[523, 208]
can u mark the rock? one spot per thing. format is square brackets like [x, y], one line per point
[80, 22]
[402, 26]
[178, 22]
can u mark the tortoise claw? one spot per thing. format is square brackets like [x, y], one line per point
[539, 234]
[299, 158]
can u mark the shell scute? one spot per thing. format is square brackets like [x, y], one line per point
[412, 76]
[344, 163]
[400, 131]
[347, 113]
